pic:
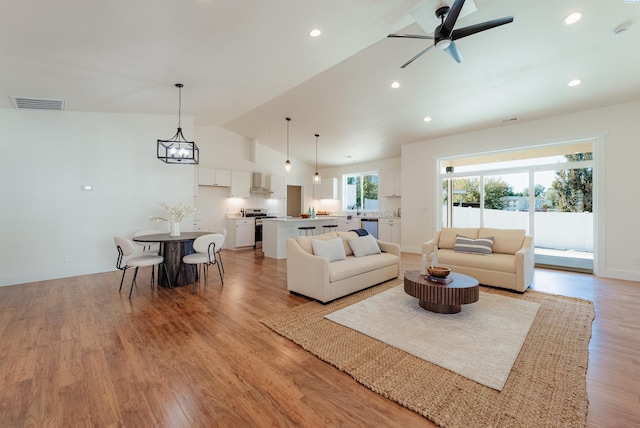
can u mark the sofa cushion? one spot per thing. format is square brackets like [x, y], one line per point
[345, 240]
[506, 241]
[305, 241]
[475, 246]
[354, 266]
[448, 236]
[331, 249]
[491, 262]
[364, 246]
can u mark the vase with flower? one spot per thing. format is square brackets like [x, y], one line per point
[174, 216]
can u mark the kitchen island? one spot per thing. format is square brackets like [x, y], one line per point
[276, 231]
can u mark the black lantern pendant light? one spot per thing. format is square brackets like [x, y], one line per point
[178, 150]
[287, 164]
[316, 177]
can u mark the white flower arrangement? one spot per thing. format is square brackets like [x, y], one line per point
[175, 214]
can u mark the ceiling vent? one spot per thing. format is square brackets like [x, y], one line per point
[37, 103]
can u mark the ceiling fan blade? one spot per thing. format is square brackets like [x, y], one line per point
[452, 50]
[411, 36]
[416, 57]
[452, 17]
[476, 28]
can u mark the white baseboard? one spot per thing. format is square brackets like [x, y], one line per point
[44, 276]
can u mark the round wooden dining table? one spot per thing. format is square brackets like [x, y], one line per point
[173, 249]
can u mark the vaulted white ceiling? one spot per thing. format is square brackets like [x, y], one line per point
[248, 64]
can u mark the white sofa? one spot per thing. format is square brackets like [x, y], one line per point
[510, 265]
[314, 276]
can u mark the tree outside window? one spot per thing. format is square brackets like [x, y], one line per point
[361, 191]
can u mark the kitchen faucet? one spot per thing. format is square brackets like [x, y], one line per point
[356, 208]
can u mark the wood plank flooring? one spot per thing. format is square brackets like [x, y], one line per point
[74, 352]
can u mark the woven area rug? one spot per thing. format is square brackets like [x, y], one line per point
[481, 342]
[546, 387]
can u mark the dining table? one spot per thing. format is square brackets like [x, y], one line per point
[173, 249]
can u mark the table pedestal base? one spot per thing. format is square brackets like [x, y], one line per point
[439, 308]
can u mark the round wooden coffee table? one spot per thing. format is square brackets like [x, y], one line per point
[442, 298]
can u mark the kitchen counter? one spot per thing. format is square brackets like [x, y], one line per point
[276, 231]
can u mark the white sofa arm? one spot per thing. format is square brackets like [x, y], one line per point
[306, 274]
[389, 247]
[524, 264]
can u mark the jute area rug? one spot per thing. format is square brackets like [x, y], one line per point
[481, 342]
[546, 386]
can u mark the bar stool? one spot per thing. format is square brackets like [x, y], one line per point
[329, 227]
[306, 229]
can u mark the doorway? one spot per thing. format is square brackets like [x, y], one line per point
[544, 190]
[294, 200]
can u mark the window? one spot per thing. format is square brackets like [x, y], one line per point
[361, 191]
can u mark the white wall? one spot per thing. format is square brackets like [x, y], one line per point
[49, 228]
[45, 219]
[616, 177]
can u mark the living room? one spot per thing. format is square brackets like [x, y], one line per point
[49, 156]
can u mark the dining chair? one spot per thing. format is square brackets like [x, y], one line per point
[222, 231]
[125, 249]
[149, 248]
[205, 248]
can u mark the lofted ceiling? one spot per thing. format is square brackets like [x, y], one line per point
[246, 65]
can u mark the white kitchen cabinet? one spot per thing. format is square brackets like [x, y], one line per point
[327, 189]
[389, 230]
[240, 184]
[276, 184]
[345, 224]
[240, 233]
[214, 177]
[390, 183]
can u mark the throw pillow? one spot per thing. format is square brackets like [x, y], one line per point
[331, 249]
[475, 246]
[364, 246]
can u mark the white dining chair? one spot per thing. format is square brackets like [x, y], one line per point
[222, 231]
[149, 248]
[126, 248]
[206, 247]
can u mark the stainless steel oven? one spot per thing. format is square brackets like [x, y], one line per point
[258, 214]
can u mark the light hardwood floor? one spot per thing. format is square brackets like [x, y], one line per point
[74, 352]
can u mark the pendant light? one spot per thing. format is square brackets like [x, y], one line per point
[178, 150]
[316, 177]
[287, 164]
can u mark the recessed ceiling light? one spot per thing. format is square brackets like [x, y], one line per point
[572, 18]
[574, 82]
[427, 119]
[395, 85]
[622, 28]
[315, 32]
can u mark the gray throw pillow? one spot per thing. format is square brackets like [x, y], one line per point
[474, 246]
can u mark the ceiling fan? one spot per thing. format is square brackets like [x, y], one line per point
[444, 34]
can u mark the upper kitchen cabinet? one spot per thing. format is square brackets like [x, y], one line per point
[327, 189]
[390, 184]
[240, 184]
[277, 185]
[214, 177]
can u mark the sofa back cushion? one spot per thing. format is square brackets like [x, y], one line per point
[505, 241]
[305, 241]
[448, 236]
[345, 241]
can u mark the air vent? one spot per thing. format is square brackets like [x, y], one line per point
[37, 103]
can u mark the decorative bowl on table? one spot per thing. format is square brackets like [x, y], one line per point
[303, 215]
[438, 271]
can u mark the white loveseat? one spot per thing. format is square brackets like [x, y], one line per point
[314, 276]
[510, 264]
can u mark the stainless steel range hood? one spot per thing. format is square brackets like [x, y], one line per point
[257, 185]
